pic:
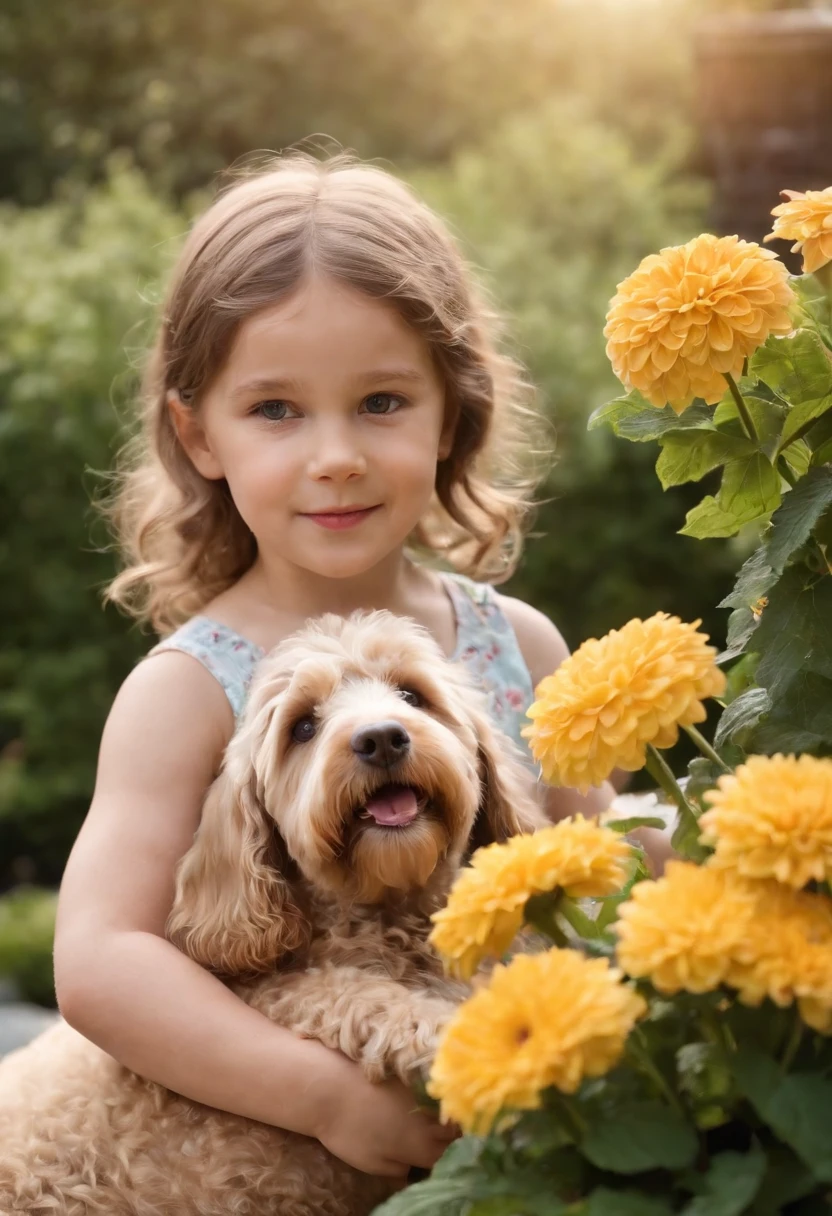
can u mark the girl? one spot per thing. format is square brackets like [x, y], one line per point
[324, 401]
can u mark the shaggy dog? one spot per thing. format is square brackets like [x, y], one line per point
[364, 772]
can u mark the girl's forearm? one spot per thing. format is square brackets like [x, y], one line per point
[164, 1017]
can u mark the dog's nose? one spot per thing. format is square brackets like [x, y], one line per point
[381, 744]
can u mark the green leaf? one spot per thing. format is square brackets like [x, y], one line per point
[435, 1197]
[796, 366]
[741, 715]
[685, 841]
[813, 297]
[730, 1184]
[583, 925]
[460, 1155]
[741, 624]
[754, 579]
[703, 775]
[606, 1202]
[689, 455]
[794, 633]
[796, 1106]
[800, 416]
[634, 821]
[792, 523]
[798, 456]
[767, 414]
[786, 1179]
[640, 1136]
[800, 720]
[633, 417]
[517, 1205]
[708, 519]
[819, 439]
[750, 488]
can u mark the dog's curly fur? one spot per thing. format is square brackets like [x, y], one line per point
[313, 913]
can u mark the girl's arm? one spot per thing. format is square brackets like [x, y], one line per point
[122, 985]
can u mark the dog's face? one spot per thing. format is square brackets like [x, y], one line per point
[367, 755]
[365, 760]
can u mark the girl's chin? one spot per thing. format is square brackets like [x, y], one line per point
[343, 564]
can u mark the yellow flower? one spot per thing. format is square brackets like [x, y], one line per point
[805, 219]
[683, 931]
[787, 947]
[786, 954]
[773, 818]
[485, 908]
[613, 696]
[544, 1020]
[693, 312]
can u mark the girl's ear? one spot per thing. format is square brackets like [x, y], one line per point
[190, 432]
[234, 911]
[509, 804]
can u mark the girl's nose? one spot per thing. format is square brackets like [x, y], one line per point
[336, 456]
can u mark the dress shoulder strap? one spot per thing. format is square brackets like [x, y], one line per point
[230, 658]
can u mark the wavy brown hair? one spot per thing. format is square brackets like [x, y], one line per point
[182, 536]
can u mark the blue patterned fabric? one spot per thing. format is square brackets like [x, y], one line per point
[486, 645]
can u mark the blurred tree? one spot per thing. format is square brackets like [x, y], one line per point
[188, 90]
[72, 284]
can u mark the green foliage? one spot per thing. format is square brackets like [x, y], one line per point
[27, 928]
[73, 277]
[188, 97]
[638, 1136]
[777, 476]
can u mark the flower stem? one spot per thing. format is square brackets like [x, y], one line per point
[541, 913]
[706, 749]
[742, 408]
[640, 1054]
[660, 771]
[793, 1043]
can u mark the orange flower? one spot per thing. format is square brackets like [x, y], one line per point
[692, 313]
[805, 219]
[683, 931]
[772, 818]
[613, 696]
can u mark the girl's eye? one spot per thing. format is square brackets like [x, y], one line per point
[304, 730]
[272, 411]
[411, 697]
[382, 403]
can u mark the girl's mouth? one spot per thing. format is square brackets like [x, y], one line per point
[340, 520]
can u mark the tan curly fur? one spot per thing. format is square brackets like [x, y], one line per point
[312, 912]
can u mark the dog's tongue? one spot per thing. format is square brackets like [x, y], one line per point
[393, 806]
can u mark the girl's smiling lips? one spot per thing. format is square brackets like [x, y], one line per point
[340, 517]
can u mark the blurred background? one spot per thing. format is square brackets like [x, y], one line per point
[562, 139]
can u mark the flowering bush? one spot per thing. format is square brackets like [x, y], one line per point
[661, 1046]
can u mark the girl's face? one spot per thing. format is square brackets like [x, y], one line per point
[327, 421]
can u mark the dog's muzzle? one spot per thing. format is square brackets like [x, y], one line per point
[382, 744]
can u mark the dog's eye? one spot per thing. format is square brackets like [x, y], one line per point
[304, 730]
[411, 697]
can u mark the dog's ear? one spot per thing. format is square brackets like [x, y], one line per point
[234, 911]
[509, 803]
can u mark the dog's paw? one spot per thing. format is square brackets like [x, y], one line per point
[403, 1042]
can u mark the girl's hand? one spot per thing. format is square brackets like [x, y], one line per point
[377, 1127]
